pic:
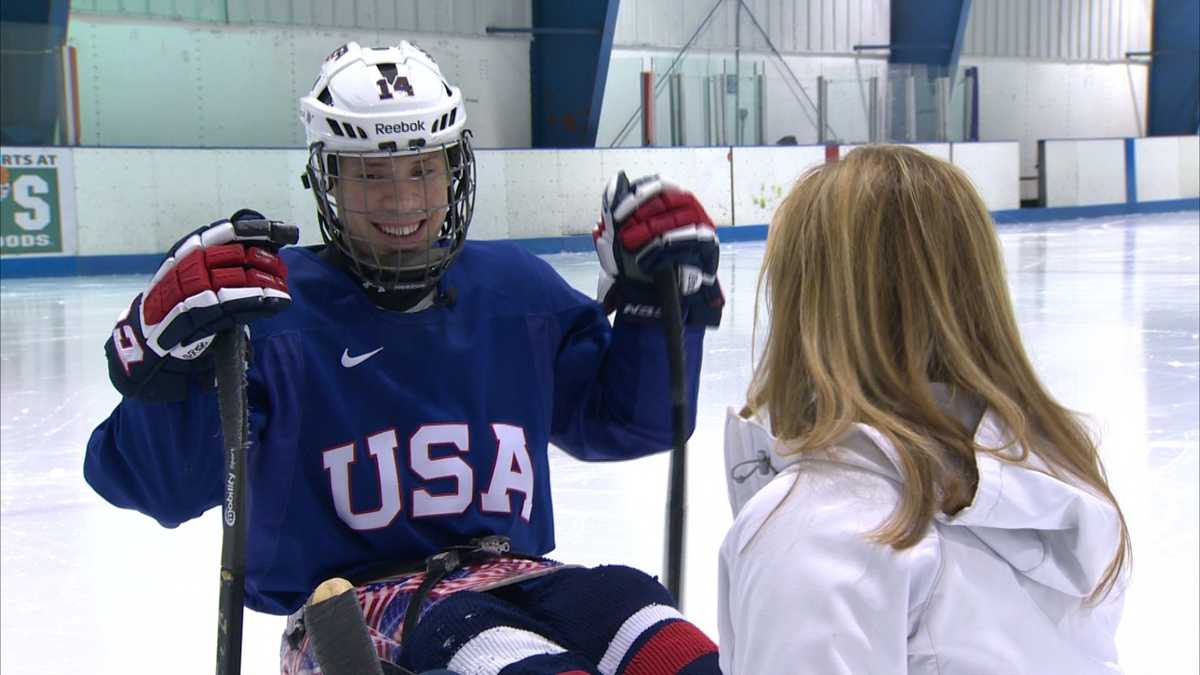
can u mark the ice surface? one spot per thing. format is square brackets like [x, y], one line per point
[1109, 308]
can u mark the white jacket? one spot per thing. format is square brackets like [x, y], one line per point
[996, 588]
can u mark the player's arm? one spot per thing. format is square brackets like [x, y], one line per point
[612, 390]
[612, 386]
[160, 450]
[165, 459]
[161, 459]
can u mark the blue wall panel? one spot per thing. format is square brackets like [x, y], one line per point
[31, 35]
[929, 32]
[568, 65]
[1175, 69]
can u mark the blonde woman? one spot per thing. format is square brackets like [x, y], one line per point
[937, 511]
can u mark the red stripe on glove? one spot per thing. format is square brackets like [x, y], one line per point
[659, 215]
[170, 289]
[267, 262]
[211, 269]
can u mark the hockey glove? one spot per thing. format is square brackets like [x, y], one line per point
[223, 274]
[649, 224]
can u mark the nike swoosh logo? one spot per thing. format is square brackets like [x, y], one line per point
[351, 361]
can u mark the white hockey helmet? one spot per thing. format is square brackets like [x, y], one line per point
[372, 106]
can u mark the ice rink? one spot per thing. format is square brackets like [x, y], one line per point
[1109, 308]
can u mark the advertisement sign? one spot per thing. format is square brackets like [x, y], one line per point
[37, 196]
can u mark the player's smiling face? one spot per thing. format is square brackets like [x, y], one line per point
[393, 203]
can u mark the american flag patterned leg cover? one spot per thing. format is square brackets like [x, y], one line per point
[384, 604]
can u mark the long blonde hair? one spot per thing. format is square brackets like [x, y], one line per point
[883, 274]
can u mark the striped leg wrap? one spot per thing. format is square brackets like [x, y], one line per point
[610, 620]
[621, 619]
[478, 634]
[657, 641]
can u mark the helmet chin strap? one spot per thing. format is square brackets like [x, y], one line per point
[397, 300]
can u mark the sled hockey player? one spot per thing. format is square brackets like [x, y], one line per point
[403, 387]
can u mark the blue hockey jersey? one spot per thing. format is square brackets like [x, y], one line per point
[380, 436]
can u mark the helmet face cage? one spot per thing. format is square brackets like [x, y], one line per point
[399, 217]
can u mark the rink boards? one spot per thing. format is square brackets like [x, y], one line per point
[119, 208]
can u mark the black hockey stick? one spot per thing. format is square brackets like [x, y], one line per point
[230, 350]
[668, 297]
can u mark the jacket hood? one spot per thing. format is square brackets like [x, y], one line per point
[1051, 530]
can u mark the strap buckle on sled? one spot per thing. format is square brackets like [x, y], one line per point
[440, 564]
[493, 545]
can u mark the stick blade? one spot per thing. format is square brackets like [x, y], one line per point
[335, 625]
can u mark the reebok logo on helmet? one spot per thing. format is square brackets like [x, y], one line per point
[400, 128]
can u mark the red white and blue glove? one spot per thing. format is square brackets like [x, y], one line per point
[220, 275]
[646, 225]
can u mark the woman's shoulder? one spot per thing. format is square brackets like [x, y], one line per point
[846, 490]
[815, 522]
[812, 530]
